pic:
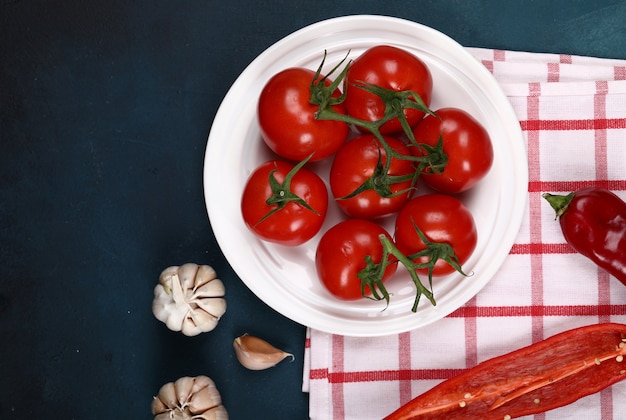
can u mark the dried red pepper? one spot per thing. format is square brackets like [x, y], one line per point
[593, 221]
[549, 374]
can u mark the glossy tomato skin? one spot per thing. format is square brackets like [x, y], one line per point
[355, 162]
[442, 218]
[390, 68]
[287, 122]
[341, 253]
[294, 224]
[466, 143]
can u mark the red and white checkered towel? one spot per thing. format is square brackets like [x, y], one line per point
[572, 111]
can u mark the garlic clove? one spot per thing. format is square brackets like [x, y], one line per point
[168, 273]
[257, 354]
[175, 319]
[206, 274]
[215, 307]
[212, 288]
[201, 382]
[215, 413]
[205, 399]
[183, 388]
[187, 274]
[167, 394]
[197, 322]
[158, 406]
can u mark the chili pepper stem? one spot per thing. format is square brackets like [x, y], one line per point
[559, 203]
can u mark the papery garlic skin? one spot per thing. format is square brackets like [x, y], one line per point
[189, 298]
[255, 353]
[189, 398]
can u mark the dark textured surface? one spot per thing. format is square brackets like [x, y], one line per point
[105, 107]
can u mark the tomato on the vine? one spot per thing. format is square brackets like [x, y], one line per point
[360, 166]
[283, 203]
[465, 142]
[441, 218]
[390, 68]
[287, 117]
[341, 255]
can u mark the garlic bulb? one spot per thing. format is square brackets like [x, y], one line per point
[189, 398]
[257, 354]
[189, 298]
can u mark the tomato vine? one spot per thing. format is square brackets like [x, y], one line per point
[372, 274]
[433, 158]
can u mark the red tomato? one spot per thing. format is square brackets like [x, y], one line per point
[287, 122]
[356, 162]
[294, 224]
[341, 253]
[390, 68]
[441, 218]
[465, 142]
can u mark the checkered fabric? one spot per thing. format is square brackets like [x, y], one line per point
[572, 111]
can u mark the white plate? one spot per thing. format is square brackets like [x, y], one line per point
[285, 278]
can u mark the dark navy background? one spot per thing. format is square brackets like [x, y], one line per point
[105, 108]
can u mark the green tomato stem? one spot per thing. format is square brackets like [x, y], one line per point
[372, 275]
[322, 95]
[395, 103]
[282, 194]
[407, 262]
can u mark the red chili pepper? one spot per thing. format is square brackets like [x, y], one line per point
[549, 374]
[593, 221]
